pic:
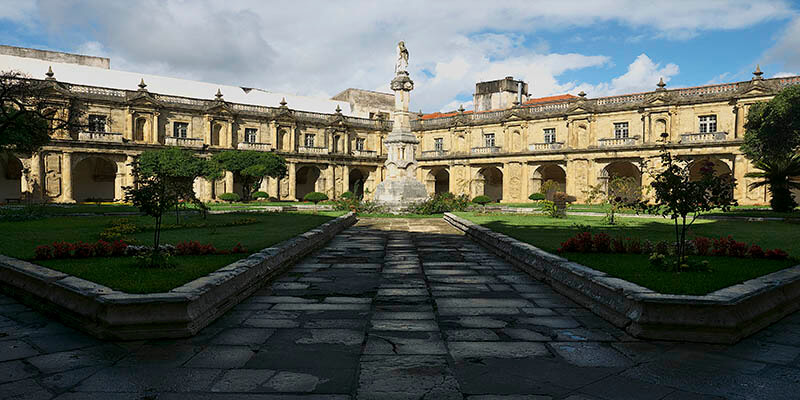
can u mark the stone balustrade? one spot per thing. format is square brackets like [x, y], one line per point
[312, 150]
[434, 153]
[254, 146]
[545, 146]
[618, 142]
[107, 137]
[365, 153]
[183, 142]
[485, 150]
[703, 137]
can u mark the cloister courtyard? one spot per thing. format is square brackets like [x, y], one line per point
[393, 307]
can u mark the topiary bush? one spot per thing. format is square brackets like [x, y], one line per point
[347, 195]
[315, 197]
[260, 195]
[230, 197]
[482, 200]
[536, 196]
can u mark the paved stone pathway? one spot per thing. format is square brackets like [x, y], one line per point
[395, 309]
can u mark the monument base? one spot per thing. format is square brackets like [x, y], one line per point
[398, 194]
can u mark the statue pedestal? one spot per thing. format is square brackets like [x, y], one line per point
[398, 194]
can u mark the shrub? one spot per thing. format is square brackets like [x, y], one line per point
[737, 249]
[103, 248]
[62, 249]
[618, 245]
[315, 197]
[83, 250]
[634, 245]
[260, 195]
[550, 209]
[441, 203]
[647, 247]
[602, 242]
[536, 196]
[776, 254]
[347, 195]
[238, 248]
[118, 248]
[43, 252]
[230, 197]
[482, 200]
[755, 251]
[702, 244]
[662, 247]
[721, 246]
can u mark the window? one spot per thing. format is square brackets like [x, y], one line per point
[708, 123]
[97, 123]
[180, 129]
[550, 135]
[250, 135]
[620, 130]
[360, 144]
[438, 144]
[309, 140]
[336, 143]
[488, 139]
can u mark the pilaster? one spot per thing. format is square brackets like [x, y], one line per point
[66, 178]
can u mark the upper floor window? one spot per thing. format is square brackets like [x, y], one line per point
[309, 140]
[360, 144]
[250, 135]
[620, 130]
[708, 123]
[488, 139]
[97, 123]
[438, 144]
[180, 129]
[550, 135]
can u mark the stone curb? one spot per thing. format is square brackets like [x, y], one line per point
[181, 312]
[724, 316]
[525, 210]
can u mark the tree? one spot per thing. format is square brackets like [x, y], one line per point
[32, 110]
[621, 192]
[162, 179]
[315, 197]
[772, 141]
[777, 174]
[250, 167]
[684, 199]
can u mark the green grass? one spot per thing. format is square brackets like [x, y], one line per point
[19, 239]
[548, 233]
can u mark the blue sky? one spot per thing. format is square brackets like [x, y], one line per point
[318, 48]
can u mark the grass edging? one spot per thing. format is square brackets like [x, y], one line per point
[723, 316]
[183, 311]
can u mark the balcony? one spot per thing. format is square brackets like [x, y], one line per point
[618, 142]
[183, 142]
[434, 153]
[254, 146]
[107, 137]
[365, 153]
[546, 146]
[485, 150]
[312, 150]
[703, 137]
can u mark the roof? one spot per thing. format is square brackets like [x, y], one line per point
[109, 78]
[550, 99]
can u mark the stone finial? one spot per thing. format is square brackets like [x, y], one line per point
[420, 114]
[582, 94]
[283, 102]
[338, 109]
[142, 85]
[50, 75]
[757, 73]
[661, 85]
[218, 95]
[461, 109]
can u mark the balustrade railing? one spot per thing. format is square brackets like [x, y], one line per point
[183, 142]
[618, 142]
[703, 137]
[485, 150]
[545, 146]
[434, 153]
[100, 137]
[312, 150]
[365, 153]
[254, 146]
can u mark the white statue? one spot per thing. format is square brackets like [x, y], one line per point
[402, 59]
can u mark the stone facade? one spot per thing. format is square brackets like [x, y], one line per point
[506, 154]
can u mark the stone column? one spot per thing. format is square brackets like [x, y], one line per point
[119, 181]
[345, 178]
[291, 181]
[208, 190]
[130, 125]
[154, 128]
[228, 182]
[273, 135]
[66, 178]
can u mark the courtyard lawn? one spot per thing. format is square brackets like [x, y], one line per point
[19, 239]
[548, 234]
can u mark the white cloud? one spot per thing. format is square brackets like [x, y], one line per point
[786, 50]
[784, 74]
[323, 47]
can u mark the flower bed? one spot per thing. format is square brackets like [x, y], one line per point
[119, 248]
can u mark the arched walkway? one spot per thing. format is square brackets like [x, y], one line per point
[547, 173]
[623, 169]
[720, 169]
[490, 181]
[356, 181]
[438, 181]
[93, 179]
[10, 178]
[306, 181]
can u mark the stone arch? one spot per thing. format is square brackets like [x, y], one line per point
[619, 169]
[283, 140]
[93, 178]
[438, 181]
[11, 175]
[306, 180]
[490, 180]
[356, 182]
[719, 168]
[217, 131]
[140, 127]
[549, 172]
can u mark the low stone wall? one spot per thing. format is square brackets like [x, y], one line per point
[724, 316]
[183, 311]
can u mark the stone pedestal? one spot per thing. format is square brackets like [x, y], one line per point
[401, 188]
